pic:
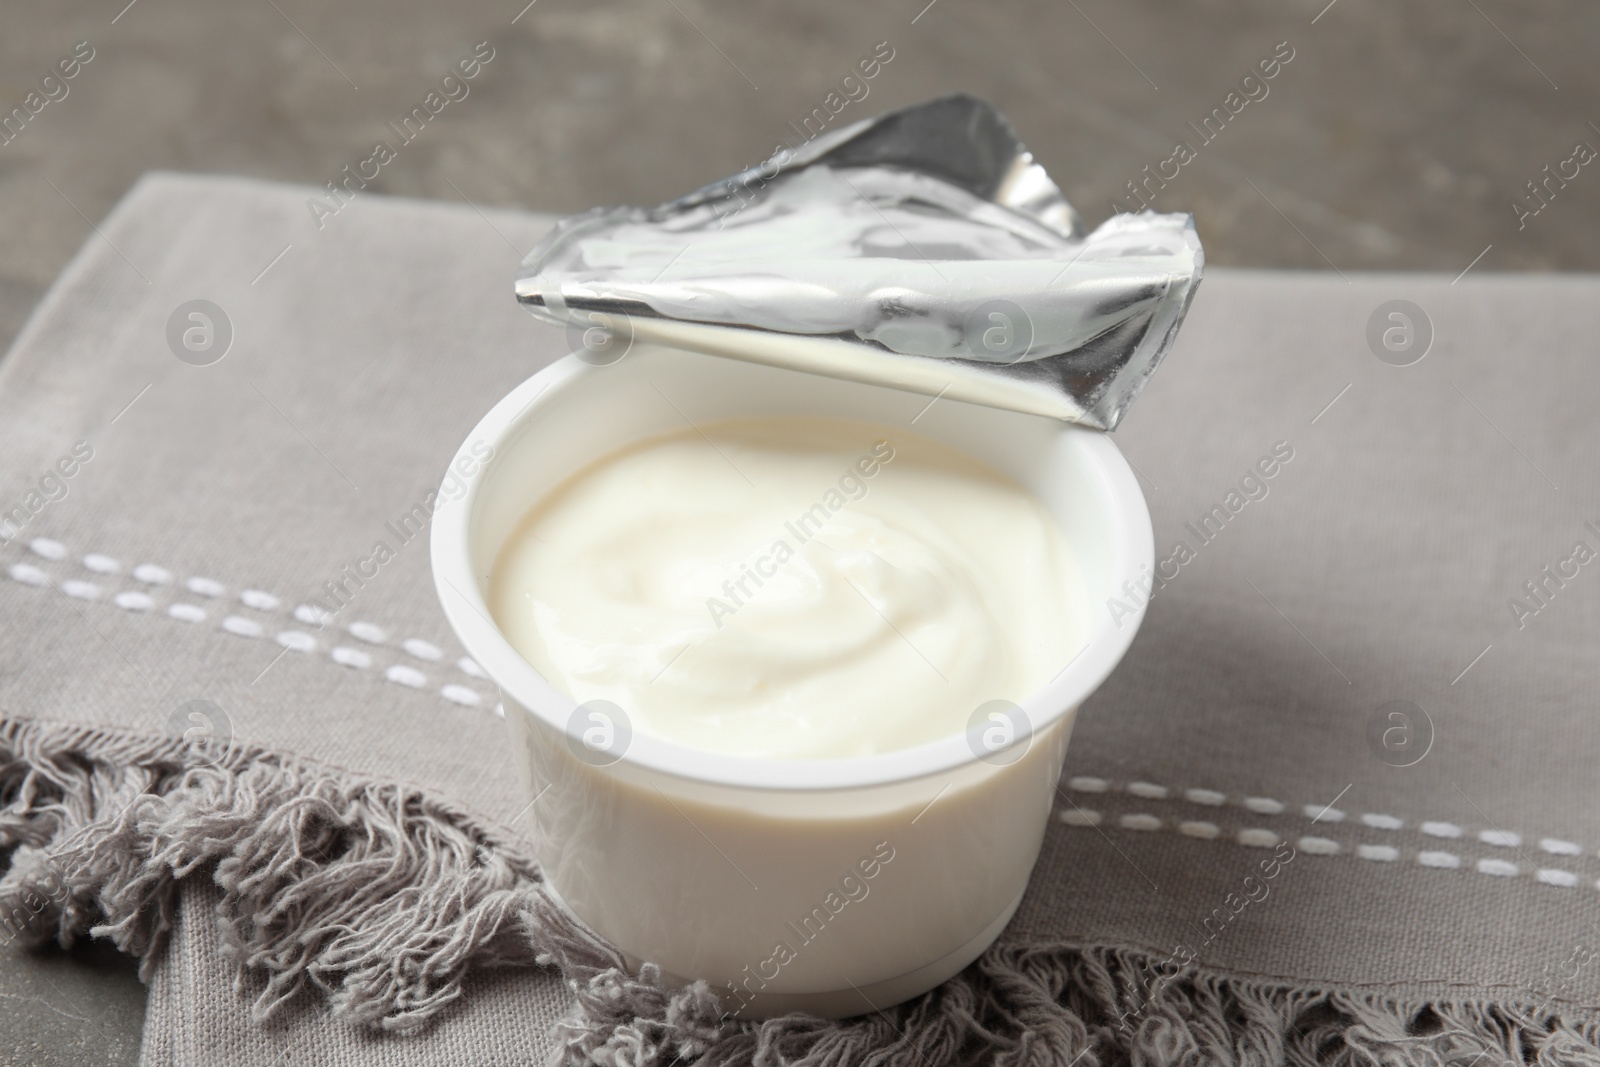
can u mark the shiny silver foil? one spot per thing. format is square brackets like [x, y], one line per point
[922, 249]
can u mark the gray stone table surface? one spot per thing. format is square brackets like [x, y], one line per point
[1397, 137]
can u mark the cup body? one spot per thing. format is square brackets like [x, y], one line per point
[828, 886]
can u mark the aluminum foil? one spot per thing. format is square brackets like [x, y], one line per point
[922, 249]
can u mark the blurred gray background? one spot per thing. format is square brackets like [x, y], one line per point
[1398, 137]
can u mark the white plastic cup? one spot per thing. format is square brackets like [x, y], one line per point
[829, 886]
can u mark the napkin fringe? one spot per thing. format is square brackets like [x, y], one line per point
[378, 895]
[383, 898]
[1069, 1005]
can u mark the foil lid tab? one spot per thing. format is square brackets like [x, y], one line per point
[923, 249]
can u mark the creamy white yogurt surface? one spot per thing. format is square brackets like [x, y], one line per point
[791, 588]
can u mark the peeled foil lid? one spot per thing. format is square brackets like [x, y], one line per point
[923, 249]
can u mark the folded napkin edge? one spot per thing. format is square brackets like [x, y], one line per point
[328, 879]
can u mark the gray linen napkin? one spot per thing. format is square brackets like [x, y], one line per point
[1337, 803]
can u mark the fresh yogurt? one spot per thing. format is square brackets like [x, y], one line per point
[791, 588]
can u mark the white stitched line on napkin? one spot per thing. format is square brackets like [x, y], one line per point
[1255, 837]
[351, 657]
[295, 641]
[238, 624]
[370, 632]
[311, 616]
[258, 599]
[1146, 790]
[205, 587]
[400, 674]
[54, 551]
[133, 600]
[422, 649]
[1143, 822]
[28, 574]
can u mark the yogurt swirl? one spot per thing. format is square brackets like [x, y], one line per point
[791, 588]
